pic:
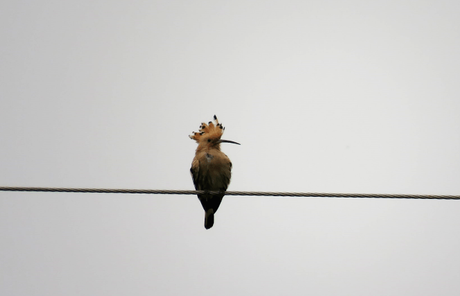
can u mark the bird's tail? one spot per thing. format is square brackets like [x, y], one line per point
[209, 218]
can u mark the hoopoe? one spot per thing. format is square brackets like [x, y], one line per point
[211, 169]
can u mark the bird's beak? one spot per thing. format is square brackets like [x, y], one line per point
[227, 141]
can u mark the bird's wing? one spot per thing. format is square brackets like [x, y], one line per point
[194, 171]
[227, 175]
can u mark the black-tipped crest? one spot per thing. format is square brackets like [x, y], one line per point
[212, 129]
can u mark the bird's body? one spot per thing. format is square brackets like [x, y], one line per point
[211, 168]
[211, 171]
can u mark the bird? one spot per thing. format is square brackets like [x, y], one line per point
[211, 168]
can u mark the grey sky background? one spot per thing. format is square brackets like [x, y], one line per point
[324, 96]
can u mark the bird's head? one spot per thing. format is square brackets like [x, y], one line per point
[210, 135]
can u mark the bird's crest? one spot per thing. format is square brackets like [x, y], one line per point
[213, 130]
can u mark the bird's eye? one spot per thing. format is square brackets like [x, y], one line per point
[209, 140]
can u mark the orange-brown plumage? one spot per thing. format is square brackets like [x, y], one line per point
[211, 168]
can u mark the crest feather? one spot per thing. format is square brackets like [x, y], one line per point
[212, 129]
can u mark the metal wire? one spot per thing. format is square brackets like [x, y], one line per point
[240, 193]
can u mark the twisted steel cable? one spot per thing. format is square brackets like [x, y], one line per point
[239, 193]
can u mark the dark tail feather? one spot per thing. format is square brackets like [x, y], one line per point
[209, 218]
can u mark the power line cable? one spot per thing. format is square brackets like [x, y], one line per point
[239, 193]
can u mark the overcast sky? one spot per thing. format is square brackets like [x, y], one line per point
[324, 96]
